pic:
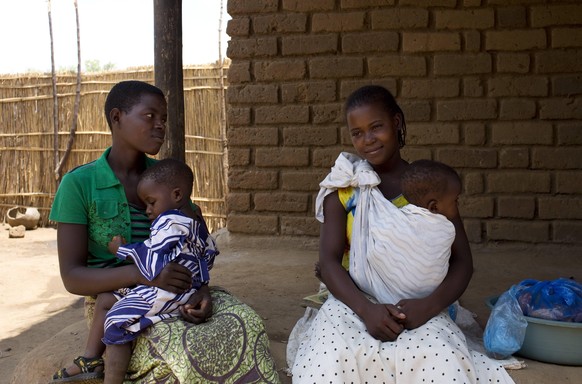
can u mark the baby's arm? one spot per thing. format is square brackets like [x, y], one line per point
[115, 243]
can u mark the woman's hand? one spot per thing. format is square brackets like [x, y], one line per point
[417, 311]
[383, 321]
[199, 307]
[174, 278]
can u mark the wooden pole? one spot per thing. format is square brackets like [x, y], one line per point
[168, 72]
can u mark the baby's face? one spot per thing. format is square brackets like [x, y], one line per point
[448, 203]
[158, 198]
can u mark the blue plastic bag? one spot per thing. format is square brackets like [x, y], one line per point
[505, 329]
[558, 300]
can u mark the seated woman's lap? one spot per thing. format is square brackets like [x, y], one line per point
[232, 346]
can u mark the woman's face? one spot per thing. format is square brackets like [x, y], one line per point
[158, 198]
[374, 134]
[143, 128]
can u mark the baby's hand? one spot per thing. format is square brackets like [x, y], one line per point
[115, 243]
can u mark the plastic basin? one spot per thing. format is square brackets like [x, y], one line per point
[557, 342]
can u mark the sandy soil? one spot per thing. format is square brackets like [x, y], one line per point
[271, 275]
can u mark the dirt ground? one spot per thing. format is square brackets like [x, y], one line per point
[271, 275]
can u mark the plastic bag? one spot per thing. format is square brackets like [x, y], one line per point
[505, 329]
[558, 300]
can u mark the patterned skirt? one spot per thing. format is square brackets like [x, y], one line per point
[231, 347]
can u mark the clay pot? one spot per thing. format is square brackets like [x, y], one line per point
[29, 217]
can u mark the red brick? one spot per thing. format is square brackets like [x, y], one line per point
[239, 72]
[514, 158]
[281, 157]
[397, 65]
[299, 226]
[569, 182]
[535, 132]
[411, 154]
[253, 224]
[238, 156]
[337, 22]
[238, 26]
[327, 113]
[238, 202]
[399, 18]
[471, 41]
[464, 19]
[430, 41]
[281, 202]
[238, 115]
[511, 17]
[473, 230]
[370, 42]
[518, 182]
[561, 108]
[473, 183]
[551, 15]
[566, 37]
[557, 158]
[336, 67]
[518, 207]
[350, 4]
[280, 70]
[521, 231]
[515, 40]
[251, 136]
[474, 133]
[252, 93]
[560, 207]
[281, 114]
[468, 109]
[251, 6]
[569, 133]
[305, 45]
[430, 88]
[307, 180]
[553, 61]
[500, 86]
[473, 87]
[348, 85]
[309, 92]
[309, 135]
[325, 157]
[416, 110]
[428, 3]
[308, 5]
[567, 85]
[280, 23]
[251, 180]
[453, 64]
[509, 62]
[480, 207]
[567, 232]
[432, 133]
[517, 109]
[249, 48]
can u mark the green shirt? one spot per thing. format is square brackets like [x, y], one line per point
[92, 195]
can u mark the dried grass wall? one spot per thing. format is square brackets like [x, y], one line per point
[27, 155]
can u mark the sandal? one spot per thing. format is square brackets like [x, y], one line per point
[87, 375]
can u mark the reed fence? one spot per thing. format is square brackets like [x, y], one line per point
[27, 134]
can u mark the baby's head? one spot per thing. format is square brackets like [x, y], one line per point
[432, 185]
[126, 94]
[165, 185]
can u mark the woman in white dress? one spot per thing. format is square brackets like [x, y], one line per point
[385, 320]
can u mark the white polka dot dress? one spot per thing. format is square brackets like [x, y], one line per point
[339, 349]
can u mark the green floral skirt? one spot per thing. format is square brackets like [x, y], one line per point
[231, 347]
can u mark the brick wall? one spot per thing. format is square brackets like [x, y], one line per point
[491, 87]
